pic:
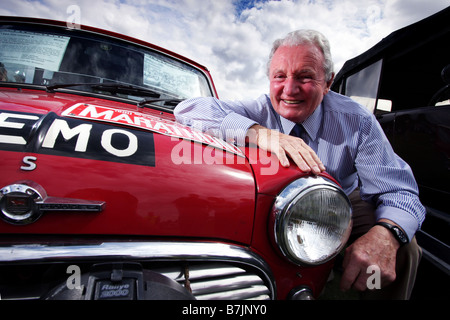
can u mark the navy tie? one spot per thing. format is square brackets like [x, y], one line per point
[296, 131]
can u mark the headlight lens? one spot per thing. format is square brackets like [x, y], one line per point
[312, 220]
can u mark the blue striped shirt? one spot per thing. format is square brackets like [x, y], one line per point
[347, 138]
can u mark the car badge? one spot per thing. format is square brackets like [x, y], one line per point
[24, 202]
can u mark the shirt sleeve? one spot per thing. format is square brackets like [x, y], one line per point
[387, 180]
[229, 120]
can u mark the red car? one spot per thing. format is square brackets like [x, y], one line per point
[104, 196]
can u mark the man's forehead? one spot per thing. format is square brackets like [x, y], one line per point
[301, 59]
[298, 50]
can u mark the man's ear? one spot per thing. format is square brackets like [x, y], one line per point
[329, 82]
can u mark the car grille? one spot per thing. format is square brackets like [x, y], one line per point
[210, 271]
[216, 281]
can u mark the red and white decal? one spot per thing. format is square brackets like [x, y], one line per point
[147, 122]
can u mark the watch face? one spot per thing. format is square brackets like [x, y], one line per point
[400, 235]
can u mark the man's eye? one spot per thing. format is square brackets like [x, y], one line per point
[305, 79]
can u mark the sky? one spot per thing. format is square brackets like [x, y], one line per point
[233, 38]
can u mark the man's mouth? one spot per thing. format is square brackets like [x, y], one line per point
[292, 101]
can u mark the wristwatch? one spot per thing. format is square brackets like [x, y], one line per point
[396, 231]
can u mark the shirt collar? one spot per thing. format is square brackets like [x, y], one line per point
[311, 124]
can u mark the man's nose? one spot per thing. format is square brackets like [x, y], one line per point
[291, 86]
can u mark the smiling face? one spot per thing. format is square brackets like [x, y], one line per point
[297, 81]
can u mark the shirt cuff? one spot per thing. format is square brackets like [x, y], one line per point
[405, 220]
[234, 128]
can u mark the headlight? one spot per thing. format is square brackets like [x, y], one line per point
[311, 220]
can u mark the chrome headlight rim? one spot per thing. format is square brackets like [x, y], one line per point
[281, 213]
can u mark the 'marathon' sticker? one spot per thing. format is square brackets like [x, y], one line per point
[147, 122]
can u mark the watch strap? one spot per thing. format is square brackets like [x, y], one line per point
[396, 231]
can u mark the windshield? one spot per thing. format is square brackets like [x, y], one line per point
[51, 57]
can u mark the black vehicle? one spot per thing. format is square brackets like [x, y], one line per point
[405, 81]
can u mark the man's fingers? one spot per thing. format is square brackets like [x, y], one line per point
[351, 271]
[355, 267]
[296, 156]
[302, 155]
[281, 155]
[318, 162]
[287, 146]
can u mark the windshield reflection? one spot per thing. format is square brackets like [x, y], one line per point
[68, 59]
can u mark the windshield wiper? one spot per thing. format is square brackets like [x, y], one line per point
[123, 89]
[67, 85]
[110, 87]
[172, 101]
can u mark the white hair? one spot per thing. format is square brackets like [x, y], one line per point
[304, 36]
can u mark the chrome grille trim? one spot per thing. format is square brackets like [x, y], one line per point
[218, 271]
[220, 281]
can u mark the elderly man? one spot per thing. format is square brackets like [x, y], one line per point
[322, 130]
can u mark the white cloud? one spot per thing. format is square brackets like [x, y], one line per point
[235, 48]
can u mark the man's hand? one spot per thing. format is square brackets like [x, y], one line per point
[283, 146]
[377, 247]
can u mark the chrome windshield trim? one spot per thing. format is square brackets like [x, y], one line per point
[136, 250]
